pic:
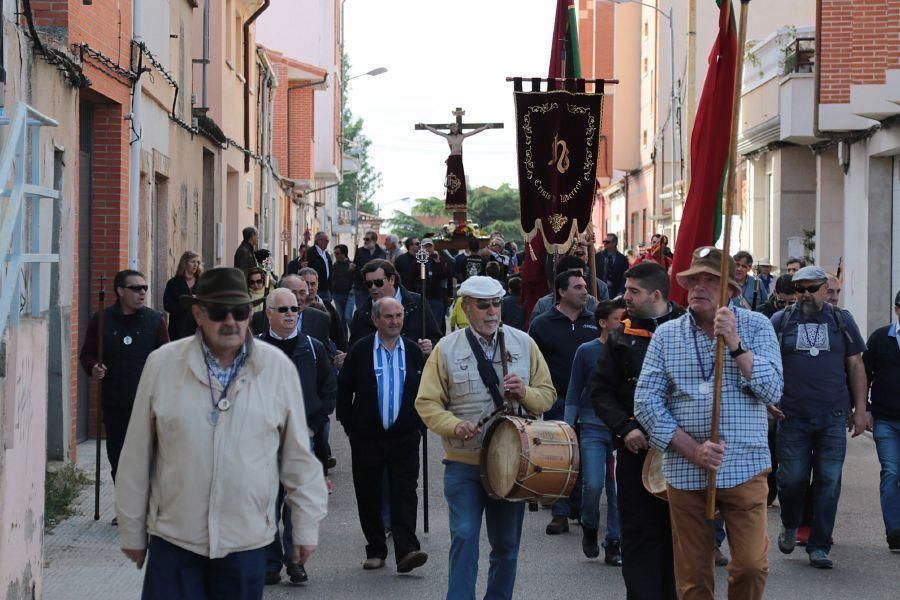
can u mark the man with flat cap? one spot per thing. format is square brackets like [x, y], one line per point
[216, 425]
[824, 375]
[461, 386]
[673, 403]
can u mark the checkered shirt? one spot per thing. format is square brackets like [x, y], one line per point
[215, 369]
[668, 396]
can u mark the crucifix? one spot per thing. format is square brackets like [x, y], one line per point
[455, 181]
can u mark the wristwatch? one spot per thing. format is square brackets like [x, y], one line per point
[739, 350]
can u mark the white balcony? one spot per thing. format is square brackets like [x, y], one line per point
[872, 102]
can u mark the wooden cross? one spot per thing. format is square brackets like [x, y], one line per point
[458, 114]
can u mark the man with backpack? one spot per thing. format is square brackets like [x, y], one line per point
[824, 375]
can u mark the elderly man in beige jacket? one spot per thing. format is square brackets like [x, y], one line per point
[217, 422]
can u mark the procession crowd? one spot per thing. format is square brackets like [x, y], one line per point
[217, 413]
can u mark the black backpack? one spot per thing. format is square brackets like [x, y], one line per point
[838, 317]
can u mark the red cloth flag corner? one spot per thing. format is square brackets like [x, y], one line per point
[701, 222]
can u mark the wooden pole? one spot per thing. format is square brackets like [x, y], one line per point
[422, 260]
[99, 397]
[730, 201]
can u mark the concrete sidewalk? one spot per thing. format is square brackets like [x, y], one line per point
[83, 561]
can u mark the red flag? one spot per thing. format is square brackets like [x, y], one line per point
[702, 218]
[565, 61]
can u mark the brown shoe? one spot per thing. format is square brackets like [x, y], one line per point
[557, 526]
[413, 560]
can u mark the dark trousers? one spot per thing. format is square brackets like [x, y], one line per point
[115, 423]
[399, 458]
[174, 573]
[648, 564]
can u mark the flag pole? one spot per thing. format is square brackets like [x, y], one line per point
[730, 198]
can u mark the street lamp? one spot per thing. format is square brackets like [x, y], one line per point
[672, 99]
[372, 73]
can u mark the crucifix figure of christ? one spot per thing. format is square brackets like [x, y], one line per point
[455, 181]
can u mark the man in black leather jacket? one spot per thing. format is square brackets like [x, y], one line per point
[647, 559]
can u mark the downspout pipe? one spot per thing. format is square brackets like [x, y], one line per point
[247, 25]
[134, 183]
[817, 81]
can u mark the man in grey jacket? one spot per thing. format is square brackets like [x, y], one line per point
[215, 426]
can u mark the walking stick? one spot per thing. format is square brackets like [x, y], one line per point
[422, 259]
[726, 243]
[99, 397]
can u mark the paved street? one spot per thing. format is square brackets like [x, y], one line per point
[82, 560]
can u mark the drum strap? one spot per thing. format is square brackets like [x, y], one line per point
[485, 369]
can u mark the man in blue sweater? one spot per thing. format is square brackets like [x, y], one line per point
[882, 360]
[595, 439]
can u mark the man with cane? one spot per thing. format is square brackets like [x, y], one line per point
[131, 331]
[673, 401]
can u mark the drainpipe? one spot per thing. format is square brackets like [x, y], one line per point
[205, 66]
[247, 25]
[264, 105]
[817, 70]
[134, 184]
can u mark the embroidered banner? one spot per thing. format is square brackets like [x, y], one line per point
[557, 133]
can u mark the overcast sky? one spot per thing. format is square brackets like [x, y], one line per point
[441, 54]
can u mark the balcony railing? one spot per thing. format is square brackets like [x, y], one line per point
[800, 56]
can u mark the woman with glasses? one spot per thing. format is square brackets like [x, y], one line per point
[181, 323]
[256, 284]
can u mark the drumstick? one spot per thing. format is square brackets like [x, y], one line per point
[502, 343]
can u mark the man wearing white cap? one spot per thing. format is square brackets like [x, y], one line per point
[454, 396]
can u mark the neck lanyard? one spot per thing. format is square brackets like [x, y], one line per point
[703, 373]
[223, 402]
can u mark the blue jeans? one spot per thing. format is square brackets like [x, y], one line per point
[174, 573]
[359, 298]
[281, 550]
[887, 443]
[596, 452]
[340, 303]
[466, 501]
[818, 444]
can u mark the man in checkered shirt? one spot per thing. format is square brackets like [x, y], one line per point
[673, 402]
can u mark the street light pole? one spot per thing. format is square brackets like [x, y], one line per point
[672, 99]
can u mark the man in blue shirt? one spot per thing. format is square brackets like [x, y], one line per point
[753, 291]
[376, 390]
[821, 350]
[882, 360]
[673, 402]
[595, 440]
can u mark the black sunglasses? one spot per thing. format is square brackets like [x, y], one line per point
[811, 289]
[219, 312]
[482, 304]
[137, 288]
[284, 309]
[375, 282]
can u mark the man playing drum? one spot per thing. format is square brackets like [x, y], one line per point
[455, 401]
[673, 403]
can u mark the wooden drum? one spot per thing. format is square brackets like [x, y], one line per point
[526, 459]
